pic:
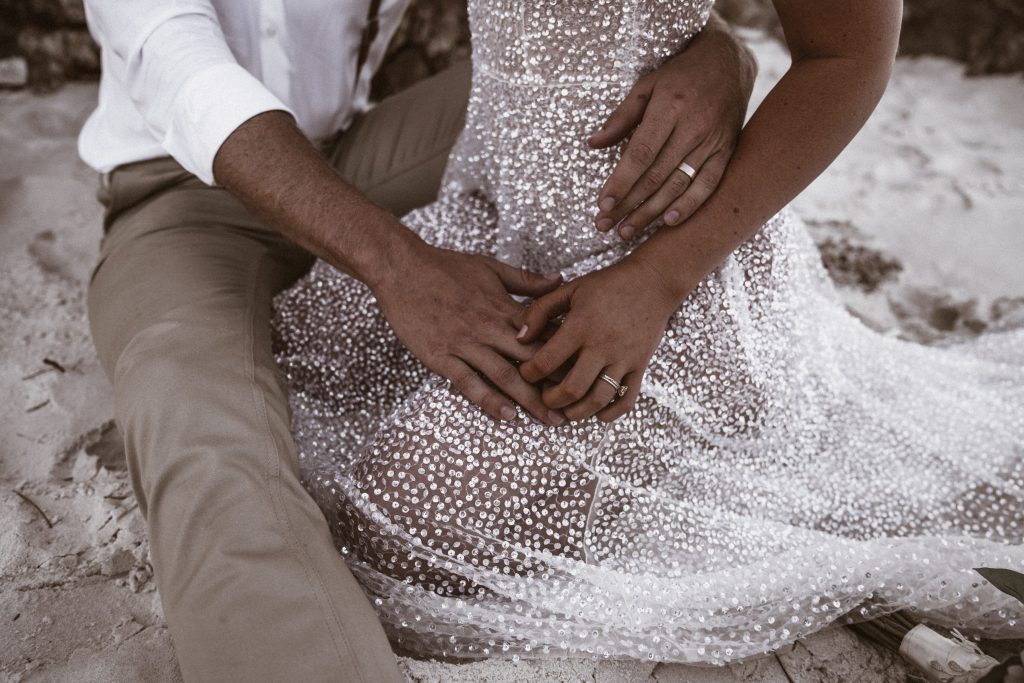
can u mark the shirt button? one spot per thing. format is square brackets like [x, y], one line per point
[270, 30]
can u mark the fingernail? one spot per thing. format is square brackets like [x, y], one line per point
[627, 231]
[604, 224]
[555, 418]
[606, 204]
[671, 217]
[508, 413]
[522, 331]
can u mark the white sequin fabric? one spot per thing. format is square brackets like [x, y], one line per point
[785, 467]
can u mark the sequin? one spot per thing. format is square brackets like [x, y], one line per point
[784, 467]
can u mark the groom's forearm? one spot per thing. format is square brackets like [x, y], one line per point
[799, 129]
[277, 173]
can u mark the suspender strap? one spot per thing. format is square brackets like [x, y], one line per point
[369, 35]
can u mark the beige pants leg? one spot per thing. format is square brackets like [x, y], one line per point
[251, 585]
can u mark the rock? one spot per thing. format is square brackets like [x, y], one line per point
[13, 72]
[118, 562]
[84, 467]
[139, 578]
[109, 449]
[836, 655]
[857, 265]
[1008, 312]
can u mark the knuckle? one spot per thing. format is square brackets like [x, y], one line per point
[463, 380]
[653, 179]
[640, 153]
[506, 374]
[709, 181]
[437, 349]
[678, 183]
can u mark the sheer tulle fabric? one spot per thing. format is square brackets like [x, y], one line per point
[784, 467]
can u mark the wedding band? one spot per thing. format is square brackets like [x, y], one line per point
[690, 171]
[620, 389]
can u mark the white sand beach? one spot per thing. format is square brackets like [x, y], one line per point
[921, 222]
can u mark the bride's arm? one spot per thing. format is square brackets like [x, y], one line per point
[843, 52]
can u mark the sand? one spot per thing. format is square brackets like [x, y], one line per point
[919, 222]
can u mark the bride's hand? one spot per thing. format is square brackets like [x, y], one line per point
[690, 110]
[454, 312]
[614, 320]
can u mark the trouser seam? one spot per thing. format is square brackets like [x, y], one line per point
[272, 478]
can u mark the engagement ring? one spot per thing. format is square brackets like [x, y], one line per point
[620, 389]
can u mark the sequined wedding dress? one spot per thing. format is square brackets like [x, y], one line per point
[784, 466]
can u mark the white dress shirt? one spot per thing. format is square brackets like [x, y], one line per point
[179, 76]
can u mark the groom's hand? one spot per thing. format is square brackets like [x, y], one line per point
[690, 110]
[455, 313]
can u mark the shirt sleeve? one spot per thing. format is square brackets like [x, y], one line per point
[180, 74]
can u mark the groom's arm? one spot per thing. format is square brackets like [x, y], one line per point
[453, 311]
[225, 126]
[691, 110]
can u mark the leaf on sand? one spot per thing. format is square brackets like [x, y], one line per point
[1006, 580]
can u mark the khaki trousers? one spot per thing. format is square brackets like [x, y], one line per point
[179, 306]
